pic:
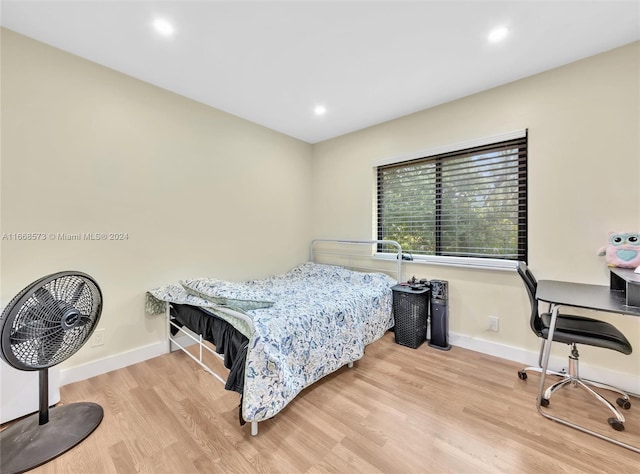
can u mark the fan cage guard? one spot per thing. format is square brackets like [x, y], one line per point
[50, 320]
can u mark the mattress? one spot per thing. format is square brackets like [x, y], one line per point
[303, 325]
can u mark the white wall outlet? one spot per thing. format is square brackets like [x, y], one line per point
[98, 338]
[494, 323]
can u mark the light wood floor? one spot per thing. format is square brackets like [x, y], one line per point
[398, 410]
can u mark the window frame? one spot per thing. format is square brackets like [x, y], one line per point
[449, 152]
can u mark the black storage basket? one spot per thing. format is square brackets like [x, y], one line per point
[410, 311]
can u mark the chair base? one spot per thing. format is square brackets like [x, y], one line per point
[522, 374]
[573, 379]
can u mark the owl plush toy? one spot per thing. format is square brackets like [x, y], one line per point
[623, 250]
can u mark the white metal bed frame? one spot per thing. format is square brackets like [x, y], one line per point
[198, 339]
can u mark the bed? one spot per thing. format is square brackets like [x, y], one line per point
[280, 334]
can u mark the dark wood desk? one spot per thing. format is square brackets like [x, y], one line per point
[577, 295]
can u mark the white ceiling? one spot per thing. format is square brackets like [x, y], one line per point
[367, 62]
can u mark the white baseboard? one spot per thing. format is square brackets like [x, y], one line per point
[107, 364]
[622, 380]
[118, 361]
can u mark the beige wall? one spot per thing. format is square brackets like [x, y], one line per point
[584, 170]
[86, 149]
[199, 192]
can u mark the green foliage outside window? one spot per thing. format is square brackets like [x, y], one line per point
[470, 203]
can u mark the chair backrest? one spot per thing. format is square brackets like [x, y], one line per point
[531, 284]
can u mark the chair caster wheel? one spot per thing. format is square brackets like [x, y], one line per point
[622, 403]
[616, 424]
[545, 403]
[522, 375]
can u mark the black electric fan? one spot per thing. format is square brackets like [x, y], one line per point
[45, 324]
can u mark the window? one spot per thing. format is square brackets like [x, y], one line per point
[465, 203]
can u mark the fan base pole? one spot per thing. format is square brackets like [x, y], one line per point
[27, 444]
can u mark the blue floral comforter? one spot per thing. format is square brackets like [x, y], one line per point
[308, 323]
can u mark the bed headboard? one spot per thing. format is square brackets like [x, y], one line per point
[334, 250]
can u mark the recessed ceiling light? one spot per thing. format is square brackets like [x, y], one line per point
[163, 27]
[320, 110]
[498, 34]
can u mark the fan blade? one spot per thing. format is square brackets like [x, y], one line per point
[31, 327]
[49, 347]
[51, 305]
[85, 325]
[77, 293]
[24, 333]
[84, 320]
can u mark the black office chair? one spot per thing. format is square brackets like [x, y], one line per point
[574, 330]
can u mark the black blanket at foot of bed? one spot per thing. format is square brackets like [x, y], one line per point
[228, 340]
